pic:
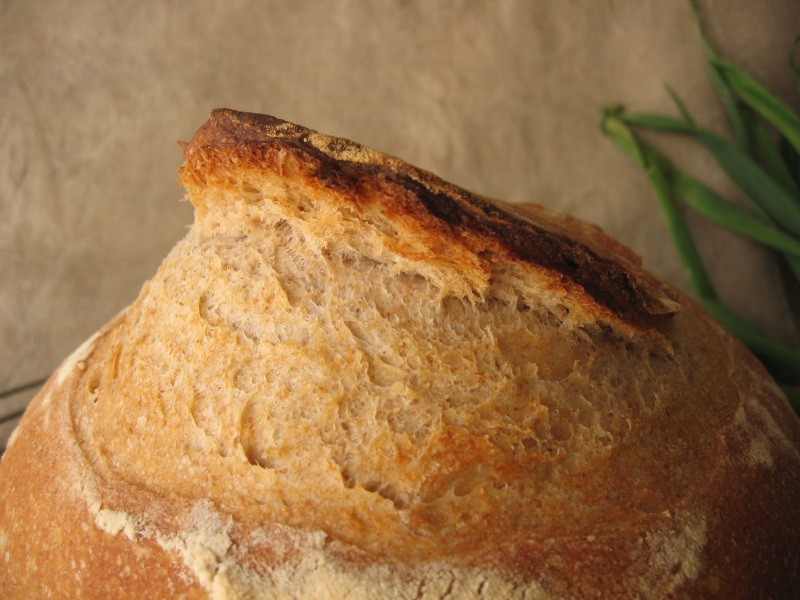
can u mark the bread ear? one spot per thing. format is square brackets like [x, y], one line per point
[597, 271]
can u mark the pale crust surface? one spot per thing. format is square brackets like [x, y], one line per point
[353, 379]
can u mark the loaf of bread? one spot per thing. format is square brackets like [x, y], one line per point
[354, 380]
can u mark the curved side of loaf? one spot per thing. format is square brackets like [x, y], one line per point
[353, 379]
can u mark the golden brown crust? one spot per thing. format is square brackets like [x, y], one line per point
[50, 544]
[309, 401]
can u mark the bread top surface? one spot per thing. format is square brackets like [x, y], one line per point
[350, 361]
[345, 346]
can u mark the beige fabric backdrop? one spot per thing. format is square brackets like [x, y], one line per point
[499, 96]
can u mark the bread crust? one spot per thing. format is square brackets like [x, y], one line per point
[634, 451]
[605, 270]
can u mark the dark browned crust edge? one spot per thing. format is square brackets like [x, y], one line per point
[341, 164]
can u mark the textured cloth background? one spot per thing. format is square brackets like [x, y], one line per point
[501, 97]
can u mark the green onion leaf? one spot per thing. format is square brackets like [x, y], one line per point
[764, 103]
[621, 134]
[681, 108]
[756, 185]
[735, 116]
[723, 212]
[769, 153]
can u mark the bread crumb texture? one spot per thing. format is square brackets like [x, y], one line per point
[319, 397]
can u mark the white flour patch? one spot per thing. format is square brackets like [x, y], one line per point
[204, 545]
[680, 554]
[114, 521]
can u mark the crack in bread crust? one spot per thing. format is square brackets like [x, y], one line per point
[453, 212]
